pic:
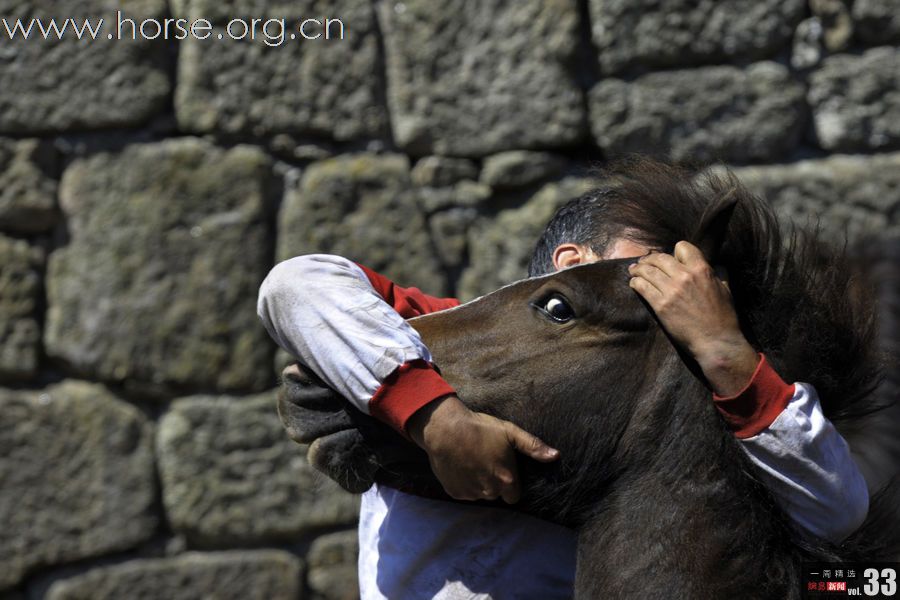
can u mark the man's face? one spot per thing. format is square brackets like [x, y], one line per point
[569, 255]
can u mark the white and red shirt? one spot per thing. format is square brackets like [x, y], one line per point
[348, 324]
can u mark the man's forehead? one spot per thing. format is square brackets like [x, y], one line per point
[623, 248]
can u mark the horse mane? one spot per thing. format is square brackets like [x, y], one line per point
[796, 296]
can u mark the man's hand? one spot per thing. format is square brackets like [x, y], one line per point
[473, 454]
[696, 309]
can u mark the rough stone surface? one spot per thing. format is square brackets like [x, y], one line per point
[363, 207]
[464, 194]
[437, 171]
[20, 287]
[247, 575]
[62, 85]
[856, 101]
[450, 231]
[27, 186]
[158, 283]
[520, 168]
[809, 46]
[837, 25]
[877, 21]
[78, 479]
[473, 78]
[854, 195]
[725, 113]
[501, 248]
[332, 566]
[648, 33]
[330, 88]
[231, 475]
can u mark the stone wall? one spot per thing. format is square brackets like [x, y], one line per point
[146, 188]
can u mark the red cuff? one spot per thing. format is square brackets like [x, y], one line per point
[758, 404]
[410, 387]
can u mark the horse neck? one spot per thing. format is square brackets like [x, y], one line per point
[683, 518]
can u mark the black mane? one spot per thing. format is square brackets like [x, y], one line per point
[796, 295]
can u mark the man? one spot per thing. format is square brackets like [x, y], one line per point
[347, 324]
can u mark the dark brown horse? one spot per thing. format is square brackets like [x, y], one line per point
[663, 500]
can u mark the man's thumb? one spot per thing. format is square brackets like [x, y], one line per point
[530, 445]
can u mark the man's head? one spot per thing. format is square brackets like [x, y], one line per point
[643, 205]
[581, 232]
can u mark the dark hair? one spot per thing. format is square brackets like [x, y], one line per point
[580, 221]
[640, 199]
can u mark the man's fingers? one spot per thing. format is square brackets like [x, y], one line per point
[653, 274]
[664, 262]
[646, 290]
[688, 254]
[530, 445]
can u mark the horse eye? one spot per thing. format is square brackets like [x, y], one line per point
[558, 309]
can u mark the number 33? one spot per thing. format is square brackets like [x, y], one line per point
[888, 588]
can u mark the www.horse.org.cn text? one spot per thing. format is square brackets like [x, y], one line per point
[272, 32]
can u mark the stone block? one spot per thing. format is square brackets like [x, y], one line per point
[450, 231]
[332, 566]
[474, 78]
[877, 21]
[856, 196]
[648, 33]
[856, 101]
[363, 207]
[169, 243]
[236, 575]
[329, 88]
[59, 85]
[78, 478]
[231, 475]
[440, 171]
[20, 292]
[27, 186]
[704, 114]
[837, 24]
[520, 168]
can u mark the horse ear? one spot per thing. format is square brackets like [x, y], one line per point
[713, 227]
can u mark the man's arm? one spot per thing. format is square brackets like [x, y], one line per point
[348, 324]
[801, 456]
[324, 311]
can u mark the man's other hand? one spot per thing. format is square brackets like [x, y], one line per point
[473, 454]
[696, 308]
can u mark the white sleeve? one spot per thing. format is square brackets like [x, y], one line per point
[323, 310]
[806, 463]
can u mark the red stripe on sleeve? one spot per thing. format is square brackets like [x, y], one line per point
[416, 383]
[757, 405]
[408, 302]
[410, 387]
